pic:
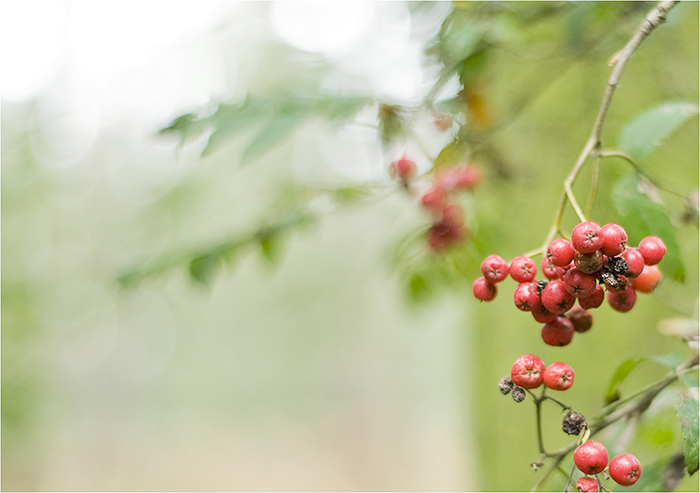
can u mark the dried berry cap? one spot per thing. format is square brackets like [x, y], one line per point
[518, 394]
[573, 423]
[505, 385]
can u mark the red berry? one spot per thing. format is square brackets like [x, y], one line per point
[581, 319]
[646, 281]
[614, 239]
[556, 298]
[594, 300]
[625, 469]
[404, 169]
[589, 263]
[561, 271]
[494, 268]
[549, 269]
[434, 199]
[591, 457]
[526, 296]
[560, 252]
[652, 249]
[527, 371]
[587, 485]
[558, 376]
[623, 301]
[484, 290]
[579, 284]
[586, 237]
[542, 315]
[523, 269]
[558, 333]
[635, 261]
[469, 177]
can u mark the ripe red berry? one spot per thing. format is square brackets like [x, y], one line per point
[526, 296]
[523, 269]
[556, 298]
[549, 269]
[614, 239]
[622, 301]
[434, 199]
[581, 318]
[558, 333]
[469, 177]
[542, 315]
[560, 252]
[594, 300]
[404, 169]
[635, 261]
[589, 263]
[484, 290]
[558, 376]
[586, 237]
[587, 485]
[652, 249]
[527, 371]
[561, 271]
[646, 281]
[494, 268]
[591, 457]
[625, 469]
[579, 284]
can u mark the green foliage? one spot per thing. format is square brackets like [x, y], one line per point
[644, 216]
[620, 375]
[648, 131]
[688, 415]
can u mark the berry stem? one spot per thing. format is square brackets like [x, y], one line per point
[594, 143]
[635, 165]
[593, 193]
[563, 406]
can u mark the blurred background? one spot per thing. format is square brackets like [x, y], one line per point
[229, 303]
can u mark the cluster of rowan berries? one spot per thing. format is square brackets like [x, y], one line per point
[595, 260]
[449, 226]
[591, 458]
[529, 372]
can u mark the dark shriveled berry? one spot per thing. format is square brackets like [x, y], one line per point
[581, 319]
[518, 394]
[505, 385]
[589, 263]
[573, 423]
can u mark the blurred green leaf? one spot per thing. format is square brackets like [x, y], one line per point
[202, 268]
[645, 217]
[671, 360]
[691, 380]
[452, 153]
[459, 37]
[270, 246]
[269, 136]
[651, 129]
[620, 375]
[687, 412]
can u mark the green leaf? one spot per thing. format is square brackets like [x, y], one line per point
[687, 412]
[651, 129]
[201, 268]
[691, 380]
[452, 153]
[270, 247]
[621, 373]
[269, 136]
[459, 37]
[418, 288]
[645, 217]
[672, 360]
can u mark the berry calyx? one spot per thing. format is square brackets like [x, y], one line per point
[614, 239]
[586, 237]
[494, 268]
[560, 332]
[587, 485]
[523, 269]
[556, 298]
[646, 281]
[591, 457]
[560, 252]
[652, 249]
[526, 296]
[579, 284]
[526, 371]
[558, 376]
[625, 469]
[483, 290]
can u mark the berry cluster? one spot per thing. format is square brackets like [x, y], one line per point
[529, 372]
[592, 458]
[449, 226]
[596, 260]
